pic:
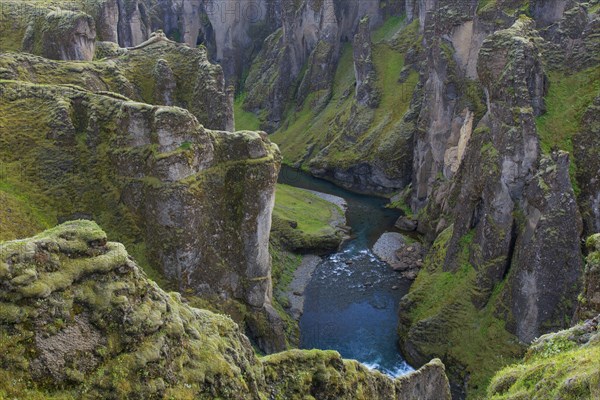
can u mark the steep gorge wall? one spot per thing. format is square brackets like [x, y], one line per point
[309, 39]
[491, 185]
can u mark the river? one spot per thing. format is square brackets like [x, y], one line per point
[351, 302]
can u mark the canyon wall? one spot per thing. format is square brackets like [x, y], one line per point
[482, 114]
[194, 203]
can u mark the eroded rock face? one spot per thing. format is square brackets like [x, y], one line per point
[504, 215]
[80, 316]
[544, 279]
[589, 302]
[160, 72]
[311, 33]
[199, 200]
[586, 144]
[366, 93]
[61, 35]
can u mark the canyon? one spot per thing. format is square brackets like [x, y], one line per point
[167, 122]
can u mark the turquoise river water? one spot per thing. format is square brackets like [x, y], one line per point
[351, 302]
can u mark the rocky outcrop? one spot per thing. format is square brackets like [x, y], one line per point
[561, 365]
[589, 301]
[365, 93]
[79, 316]
[544, 279]
[453, 33]
[310, 35]
[402, 254]
[199, 201]
[61, 35]
[331, 377]
[94, 323]
[361, 148]
[160, 72]
[586, 145]
[507, 222]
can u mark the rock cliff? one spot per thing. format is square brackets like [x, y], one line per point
[79, 318]
[196, 204]
[589, 301]
[491, 185]
[160, 72]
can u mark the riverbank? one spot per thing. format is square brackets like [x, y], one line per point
[311, 222]
[308, 222]
[296, 288]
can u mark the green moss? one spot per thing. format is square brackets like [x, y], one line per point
[472, 338]
[141, 330]
[555, 367]
[401, 202]
[379, 133]
[390, 27]
[567, 99]
[19, 216]
[244, 120]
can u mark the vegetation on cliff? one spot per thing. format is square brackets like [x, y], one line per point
[330, 131]
[558, 365]
[71, 153]
[439, 318]
[304, 222]
[79, 318]
[565, 364]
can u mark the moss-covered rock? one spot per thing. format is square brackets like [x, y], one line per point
[506, 261]
[46, 29]
[589, 301]
[356, 146]
[139, 74]
[560, 365]
[194, 204]
[61, 35]
[79, 318]
[300, 374]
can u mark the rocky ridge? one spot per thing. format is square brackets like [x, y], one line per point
[80, 318]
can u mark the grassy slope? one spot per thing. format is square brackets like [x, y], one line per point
[312, 213]
[568, 375]
[474, 338]
[314, 232]
[555, 367]
[25, 209]
[244, 120]
[567, 99]
[305, 127]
